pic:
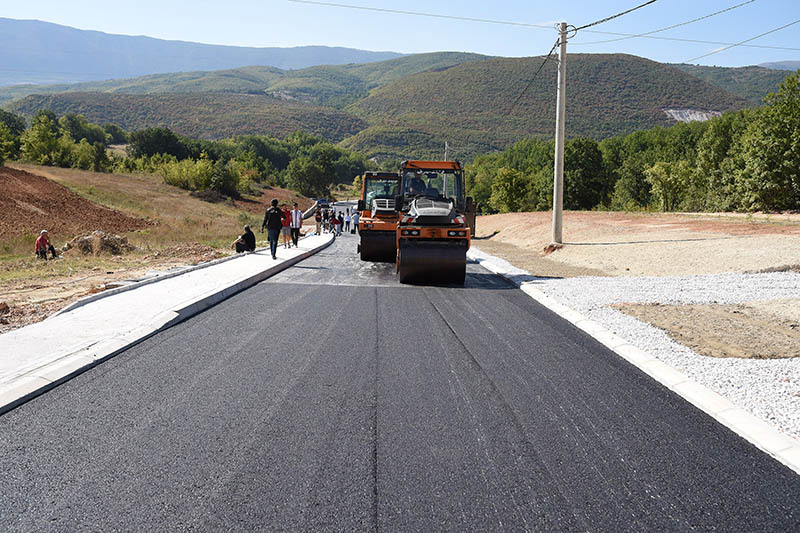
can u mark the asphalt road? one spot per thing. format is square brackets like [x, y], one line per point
[330, 398]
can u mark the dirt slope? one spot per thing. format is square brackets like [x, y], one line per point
[30, 203]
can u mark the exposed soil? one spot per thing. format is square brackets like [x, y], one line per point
[767, 330]
[30, 203]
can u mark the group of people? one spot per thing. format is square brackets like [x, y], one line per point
[333, 222]
[280, 221]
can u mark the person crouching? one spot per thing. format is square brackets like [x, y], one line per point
[246, 242]
[43, 245]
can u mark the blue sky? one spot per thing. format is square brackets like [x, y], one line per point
[286, 23]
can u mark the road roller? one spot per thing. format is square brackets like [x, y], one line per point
[377, 223]
[433, 235]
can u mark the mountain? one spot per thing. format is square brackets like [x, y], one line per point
[471, 105]
[205, 116]
[333, 85]
[41, 52]
[752, 83]
[782, 65]
[409, 106]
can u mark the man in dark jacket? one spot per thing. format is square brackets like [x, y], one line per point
[273, 221]
[245, 243]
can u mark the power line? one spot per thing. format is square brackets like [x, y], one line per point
[419, 14]
[745, 41]
[670, 27]
[595, 23]
[527, 25]
[530, 82]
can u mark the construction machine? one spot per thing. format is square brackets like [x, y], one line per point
[377, 223]
[433, 235]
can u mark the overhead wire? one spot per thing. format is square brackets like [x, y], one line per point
[698, 19]
[529, 25]
[742, 42]
[612, 17]
[535, 74]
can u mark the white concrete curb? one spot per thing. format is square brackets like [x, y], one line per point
[83, 358]
[761, 434]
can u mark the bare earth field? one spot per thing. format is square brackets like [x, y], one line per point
[166, 226]
[633, 244]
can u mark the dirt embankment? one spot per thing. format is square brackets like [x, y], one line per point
[30, 203]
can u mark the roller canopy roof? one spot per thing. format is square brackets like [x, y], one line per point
[432, 165]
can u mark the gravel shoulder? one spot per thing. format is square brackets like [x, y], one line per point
[715, 296]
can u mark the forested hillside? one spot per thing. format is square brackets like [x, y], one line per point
[471, 105]
[205, 116]
[752, 83]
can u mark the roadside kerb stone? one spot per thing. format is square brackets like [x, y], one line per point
[761, 434]
[77, 359]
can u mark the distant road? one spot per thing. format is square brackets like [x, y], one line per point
[330, 398]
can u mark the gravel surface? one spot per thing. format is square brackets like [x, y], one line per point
[770, 389]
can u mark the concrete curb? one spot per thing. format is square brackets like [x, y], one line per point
[761, 434]
[84, 358]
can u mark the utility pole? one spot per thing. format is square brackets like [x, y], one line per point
[558, 181]
[446, 146]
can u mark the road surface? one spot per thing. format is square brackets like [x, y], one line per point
[331, 398]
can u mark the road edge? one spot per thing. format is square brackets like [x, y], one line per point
[758, 432]
[63, 369]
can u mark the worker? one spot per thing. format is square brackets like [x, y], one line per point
[43, 245]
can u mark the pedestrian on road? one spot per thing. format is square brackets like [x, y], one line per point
[43, 245]
[273, 221]
[296, 223]
[356, 216]
[246, 242]
[286, 231]
[347, 220]
[318, 220]
[335, 225]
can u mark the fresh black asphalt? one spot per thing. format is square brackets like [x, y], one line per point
[331, 398]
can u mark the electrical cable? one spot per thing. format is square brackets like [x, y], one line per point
[526, 25]
[731, 8]
[742, 42]
[530, 82]
[612, 17]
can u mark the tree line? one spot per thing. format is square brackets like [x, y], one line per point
[745, 160]
[305, 163]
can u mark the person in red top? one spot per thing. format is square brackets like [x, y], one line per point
[286, 231]
[43, 245]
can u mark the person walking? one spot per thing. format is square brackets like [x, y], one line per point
[318, 220]
[347, 220]
[42, 245]
[273, 221]
[335, 224]
[356, 216]
[286, 231]
[296, 223]
[326, 220]
[246, 242]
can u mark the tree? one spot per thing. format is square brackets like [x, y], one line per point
[308, 177]
[585, 183]
[7, 143]
[79, 128]
[40, 142]
[152, 141]
[117, 135]
[669, 182]
[771, 177]
[509, 190]
[14, 122]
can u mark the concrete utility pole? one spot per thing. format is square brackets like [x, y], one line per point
[558, 181]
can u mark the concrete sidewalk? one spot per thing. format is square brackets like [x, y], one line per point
[38, 357]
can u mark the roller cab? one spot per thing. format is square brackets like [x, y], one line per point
[377, 223]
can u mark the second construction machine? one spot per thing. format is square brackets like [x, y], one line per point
[432, 235]
[377, 223]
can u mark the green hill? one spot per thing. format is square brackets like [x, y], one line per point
[470, 105]
[751, 83]
[205, 116]
[332, 85]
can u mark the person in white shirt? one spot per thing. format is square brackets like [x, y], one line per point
[347, 220]
[355, 222]
[295, 223]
